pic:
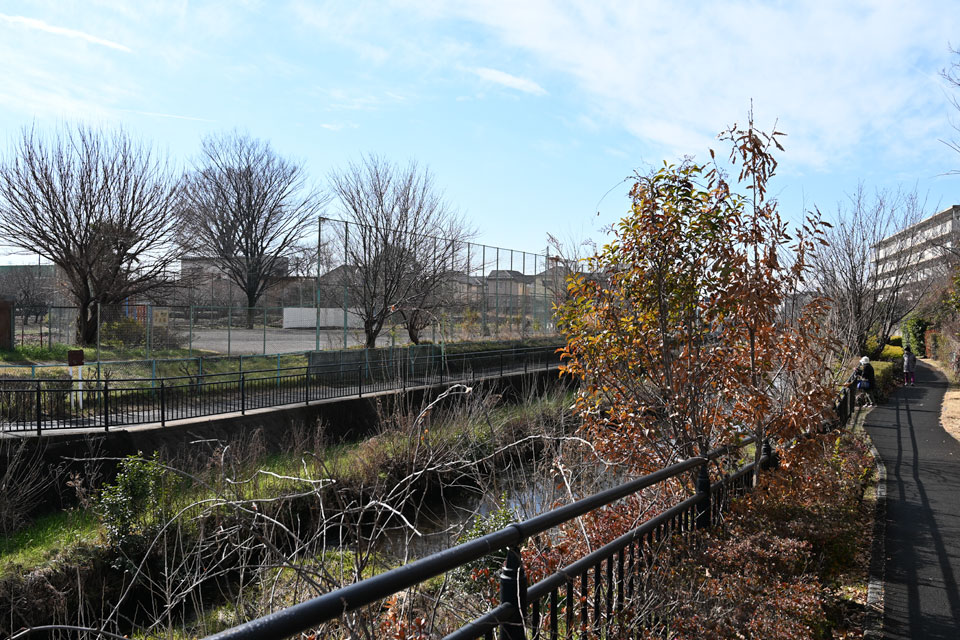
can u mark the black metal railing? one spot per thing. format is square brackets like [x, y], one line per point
[604, 581]
[41, 405]
[596, 589]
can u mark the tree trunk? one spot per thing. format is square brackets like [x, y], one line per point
[86, 326]
[251, 310]
[371, 331]
[414, 332]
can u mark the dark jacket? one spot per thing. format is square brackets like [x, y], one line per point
[866, 372]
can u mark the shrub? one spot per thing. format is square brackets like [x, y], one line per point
[935, 343]
[896, 341]
[127, 505]
[481, 576]
[768, 573]
[891, 353]
[886, 376]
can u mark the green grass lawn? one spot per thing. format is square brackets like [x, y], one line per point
[45, 538]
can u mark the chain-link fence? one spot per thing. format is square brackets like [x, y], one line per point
[44, 325]
[406, 285]
[370, 290]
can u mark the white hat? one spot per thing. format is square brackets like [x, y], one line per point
[864, 360]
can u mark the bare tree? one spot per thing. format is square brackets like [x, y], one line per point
[952, 75]
[404, 246]
[565, 256]
[31, 292]
[247, 209]
[97, 204]
[866, 303]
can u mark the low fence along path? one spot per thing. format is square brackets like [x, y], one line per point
[922, 546]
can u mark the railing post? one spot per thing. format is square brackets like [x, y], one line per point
[513, 590]
[703, 489]
[851, 399]
[308, 383]
[772, 459]
[163, 404]
[359, 380]
[106, 405]
[39, 418]
[243, 393]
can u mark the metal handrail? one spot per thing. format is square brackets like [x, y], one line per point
[313, 368]
[157, 400]
[331, 605]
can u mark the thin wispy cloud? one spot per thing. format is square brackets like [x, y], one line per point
[172, 116]
[338, 126]
[40, 25]
[836, 76]
[509, 80]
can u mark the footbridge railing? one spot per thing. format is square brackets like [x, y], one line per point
[50, 404]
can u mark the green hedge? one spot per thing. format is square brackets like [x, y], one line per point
[886, 375]
[891, 353]
[913, 329]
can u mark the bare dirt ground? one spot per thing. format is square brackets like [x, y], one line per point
[950, 412]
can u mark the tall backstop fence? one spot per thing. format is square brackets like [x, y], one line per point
[368, 288]
[603, 594]
[42, 405]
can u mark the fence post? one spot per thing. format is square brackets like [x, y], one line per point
[190, 340]
[851, 399]
[99, 321]
[513, 590]
[360, 380]
[106, 405]
[772, 459]
[703, 488]
[307, 394]
[39, 418]
[163, 404]
[243, 392]
[149, 339]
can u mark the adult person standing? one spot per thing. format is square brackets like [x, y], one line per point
[909, 364]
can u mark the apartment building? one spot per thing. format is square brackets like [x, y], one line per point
[926, 250]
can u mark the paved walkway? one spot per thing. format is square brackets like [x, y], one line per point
[922, 563]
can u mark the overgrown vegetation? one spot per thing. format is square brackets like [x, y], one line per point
[791, 561]
[181, 532]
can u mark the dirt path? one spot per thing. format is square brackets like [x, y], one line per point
[950, 412]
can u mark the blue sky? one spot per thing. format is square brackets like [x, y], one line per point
[529, 113]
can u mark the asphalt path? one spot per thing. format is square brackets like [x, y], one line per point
[922, 544]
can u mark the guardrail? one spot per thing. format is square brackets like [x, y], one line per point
[596, 590]
[49, 404]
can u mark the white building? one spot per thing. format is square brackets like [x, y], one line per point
[927, 249]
